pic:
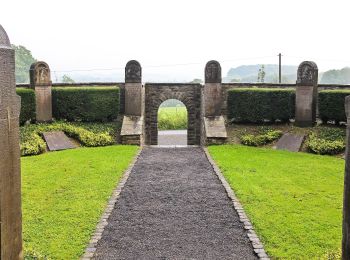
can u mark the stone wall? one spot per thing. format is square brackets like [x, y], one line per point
[156, 94]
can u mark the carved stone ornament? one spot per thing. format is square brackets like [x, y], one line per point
[213, 72]
[40, 74]
[133, 72]
[307, 74]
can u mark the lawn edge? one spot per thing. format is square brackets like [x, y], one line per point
[253, 237]
[91, 248]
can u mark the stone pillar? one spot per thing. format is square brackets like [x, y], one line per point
[40, 81]
[306, 94]
[10, 170]
[132, 126]
[346, 198]
[214, 130]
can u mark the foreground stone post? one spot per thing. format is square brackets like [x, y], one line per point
[40, 81]
[10, 175]
[213, 130]
[346, 198]
[132, 127]
[306, 94]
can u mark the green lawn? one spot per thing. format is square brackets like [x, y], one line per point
[172, 118]
[293, 199]
[64, 195]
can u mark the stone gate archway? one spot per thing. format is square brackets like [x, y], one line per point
[189, 94]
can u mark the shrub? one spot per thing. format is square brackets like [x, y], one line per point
[86, 104]
[326, 141]
[259, 105]
[331, 105]
[27, 104]
[264, 137]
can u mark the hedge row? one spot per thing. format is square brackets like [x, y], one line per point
[91, 104]
[259, 105]
[27, 104]
[331, 105]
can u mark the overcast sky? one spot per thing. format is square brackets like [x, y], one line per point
[85, 34]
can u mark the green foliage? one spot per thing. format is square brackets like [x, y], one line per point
[23, 59]
[264, 137]
[63, 196]
[331, 105]
[89, 135]
[327, 141]
[27, 104]
[67, 79]
[341, 76]
[88, 104]
[172, 118]
[257, 105]
[294, 200]
[261, 74]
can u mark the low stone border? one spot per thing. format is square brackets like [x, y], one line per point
[91, 248]
[253, 237]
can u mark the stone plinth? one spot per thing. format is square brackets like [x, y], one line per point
[346, 197]
[290, 142]
[133, 99]
[306, 94]
[212, 99]
[10, 170]
[131, 132]
[40, 81]
[214, 130]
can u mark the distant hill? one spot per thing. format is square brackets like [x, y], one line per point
[341, 76]
[249, 73]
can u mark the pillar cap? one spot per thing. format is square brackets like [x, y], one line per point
[4, 39]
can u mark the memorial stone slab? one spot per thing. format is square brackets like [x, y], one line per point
[57, 140]
[290, 142]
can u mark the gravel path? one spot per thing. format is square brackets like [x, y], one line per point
[173, 207]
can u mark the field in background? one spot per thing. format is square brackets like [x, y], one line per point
[172, 118]
[294, 200]
[64, 195]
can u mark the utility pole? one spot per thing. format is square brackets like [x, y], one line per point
[280, 68]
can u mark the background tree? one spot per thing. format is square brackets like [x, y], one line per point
[196, 81]
[67, 79]
[24, 59]
[261, 74]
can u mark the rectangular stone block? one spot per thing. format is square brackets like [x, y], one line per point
[214, 130]
[57, 140]
[212, 99]
[305, 105]
[290, 142]
[133, 99]
[131, 132]
[43, 103]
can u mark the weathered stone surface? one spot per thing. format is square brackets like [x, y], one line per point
[212, 99]
[131, 132]
[306, 94]
[133, 72]
[156, 94]
[290, 142]
[212, 72]
[40, 81]
[215, 127]
[57, 140]
[346, 197]
[133, 99]
[10, 170]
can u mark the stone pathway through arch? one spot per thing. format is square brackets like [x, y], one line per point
[173, 206]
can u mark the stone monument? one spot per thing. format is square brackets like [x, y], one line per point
[214, 130]
[40, 81]
[306, 94]
[10, 170]
[132, 126]
[346, 198]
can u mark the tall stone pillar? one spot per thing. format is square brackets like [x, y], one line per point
[306, 94]
[132, 127]
[346, 198]
[213, 130]
[10, 170]
[40, 81]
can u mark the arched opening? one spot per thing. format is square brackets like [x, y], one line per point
[172, 122]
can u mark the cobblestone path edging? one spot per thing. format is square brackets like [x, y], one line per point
[91, 248]
[253, 237]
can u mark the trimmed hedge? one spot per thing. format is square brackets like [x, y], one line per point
[331, 105]
[27, 105]
[87, 104]
[256, 105]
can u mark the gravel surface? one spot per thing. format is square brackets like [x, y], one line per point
[173, 207]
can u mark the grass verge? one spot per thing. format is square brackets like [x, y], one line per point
[64, 194]
[294, 200]
[172, 118]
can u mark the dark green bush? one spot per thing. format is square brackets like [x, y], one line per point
[331, 105]
[327, 141]
[257, 105]
[87, 104]
[27, 104]
[264, 137]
